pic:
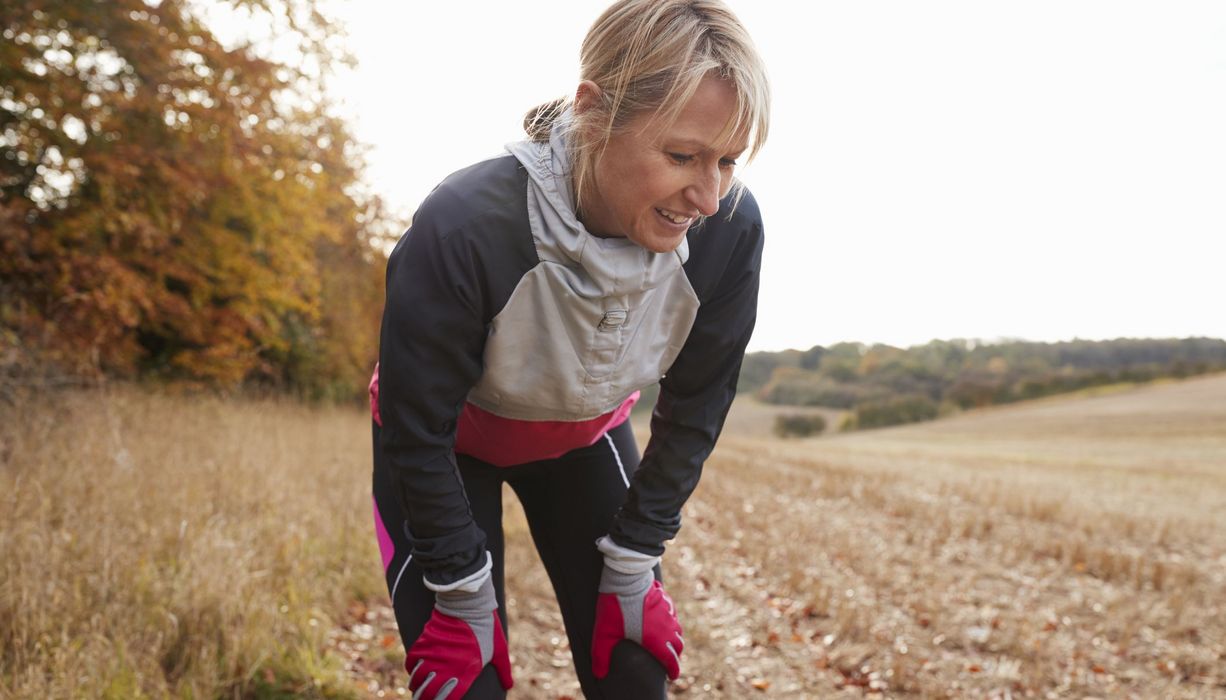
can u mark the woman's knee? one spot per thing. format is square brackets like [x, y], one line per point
[633, 673]
[486, 686]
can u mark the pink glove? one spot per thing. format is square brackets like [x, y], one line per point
[632, 605]
[461, 637]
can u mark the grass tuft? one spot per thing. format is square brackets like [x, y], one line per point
[158, 546]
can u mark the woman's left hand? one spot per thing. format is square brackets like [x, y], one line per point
[648, 618]
[632, 604]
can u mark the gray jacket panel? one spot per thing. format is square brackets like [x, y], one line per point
[601, 317]
[586, 355]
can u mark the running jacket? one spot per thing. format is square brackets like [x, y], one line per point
[506, 317]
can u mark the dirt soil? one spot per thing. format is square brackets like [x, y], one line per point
[1068, 547]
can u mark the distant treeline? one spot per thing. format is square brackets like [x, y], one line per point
[175, 208]
[884, 385]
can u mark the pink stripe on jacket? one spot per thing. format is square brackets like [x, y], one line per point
[505, 442]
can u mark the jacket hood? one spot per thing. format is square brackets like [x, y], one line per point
[600, 267]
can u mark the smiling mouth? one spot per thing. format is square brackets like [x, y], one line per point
[675, 218]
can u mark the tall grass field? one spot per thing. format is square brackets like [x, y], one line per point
[172, 546]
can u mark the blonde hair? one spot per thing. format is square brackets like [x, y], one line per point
[648, 57]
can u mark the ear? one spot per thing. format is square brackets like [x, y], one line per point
[587, 96]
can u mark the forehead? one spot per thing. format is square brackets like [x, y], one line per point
[707, 121]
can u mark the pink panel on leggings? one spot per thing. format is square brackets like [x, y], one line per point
[386, 548]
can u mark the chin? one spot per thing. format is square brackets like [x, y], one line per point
[659, 242]
[660, 245]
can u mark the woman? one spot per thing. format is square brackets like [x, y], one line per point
[534, 294]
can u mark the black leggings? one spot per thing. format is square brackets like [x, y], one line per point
[569, 501]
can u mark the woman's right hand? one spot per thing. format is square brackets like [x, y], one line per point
[463, 634]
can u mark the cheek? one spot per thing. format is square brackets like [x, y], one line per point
[640, 190]
[610, 186]
[661, 186]
[636, 186]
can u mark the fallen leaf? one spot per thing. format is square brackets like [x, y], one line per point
[761, 683]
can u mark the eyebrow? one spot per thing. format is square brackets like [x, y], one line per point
[699, 145]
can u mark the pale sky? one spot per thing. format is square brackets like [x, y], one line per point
[1041, 170]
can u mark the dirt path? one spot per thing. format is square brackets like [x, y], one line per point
[1058, 549]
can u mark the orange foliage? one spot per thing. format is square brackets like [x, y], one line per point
[175, 208]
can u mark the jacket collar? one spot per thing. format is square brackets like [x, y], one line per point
[612, 265]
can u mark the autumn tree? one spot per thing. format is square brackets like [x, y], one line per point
[176, 206]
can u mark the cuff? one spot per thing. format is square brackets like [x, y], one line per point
[623, 560]
[469, 584]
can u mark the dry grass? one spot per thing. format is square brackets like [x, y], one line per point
[751, 418]
[1063, 548]
[193, 547]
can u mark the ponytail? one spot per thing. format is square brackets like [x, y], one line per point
[538, 122]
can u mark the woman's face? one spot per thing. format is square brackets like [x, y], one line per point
[650, 187]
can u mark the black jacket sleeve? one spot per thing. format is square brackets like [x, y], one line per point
[698, 389]
[430, 352]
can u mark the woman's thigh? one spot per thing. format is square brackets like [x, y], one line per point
[412, 602]
[569, 503]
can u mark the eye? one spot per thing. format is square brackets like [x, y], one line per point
[681, 158]
[727, 163]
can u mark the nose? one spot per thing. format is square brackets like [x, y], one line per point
[703, 192]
